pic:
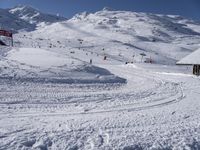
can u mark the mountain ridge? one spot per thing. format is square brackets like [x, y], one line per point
[33, 15]
[26, 18]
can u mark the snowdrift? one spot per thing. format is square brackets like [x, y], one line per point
[39, 65]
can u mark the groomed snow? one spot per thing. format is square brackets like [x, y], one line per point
[153, 111]
[191, 59]
[46, 104]
[39, 57]
[40, 65]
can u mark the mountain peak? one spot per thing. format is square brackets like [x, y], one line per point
[81, 16]
[108, 9]
[33, 15]
[20, 8]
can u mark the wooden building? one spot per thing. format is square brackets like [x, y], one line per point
[192, 60]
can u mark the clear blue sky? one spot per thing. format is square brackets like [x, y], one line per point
[187, 8]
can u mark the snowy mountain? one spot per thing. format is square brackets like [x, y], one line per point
[141, 26]
[34, 16]
[9, 22]
[25, 18]
[104, 80]
[121, 35]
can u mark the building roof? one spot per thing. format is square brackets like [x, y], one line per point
[192, 59]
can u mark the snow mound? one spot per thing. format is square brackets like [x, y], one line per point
[191, 59]
[38, 57]
[40, 65]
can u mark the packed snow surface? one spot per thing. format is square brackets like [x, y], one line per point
[100, 81]
[154, 110]
[38, 57]
[35, 64]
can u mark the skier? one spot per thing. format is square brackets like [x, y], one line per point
[90, 61]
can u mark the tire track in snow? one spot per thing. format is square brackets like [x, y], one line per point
[161, 93]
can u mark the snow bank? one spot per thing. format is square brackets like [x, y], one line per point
[40, 65]
[38, 57]
[191, 59]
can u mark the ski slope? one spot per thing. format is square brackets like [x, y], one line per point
[121, 35]
[53, 97]
[154, 109]
[40, 65]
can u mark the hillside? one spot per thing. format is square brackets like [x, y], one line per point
[121, 35]
[9, 22]
[98, 81]
[34, 16]
[40, 65]
[25, 18]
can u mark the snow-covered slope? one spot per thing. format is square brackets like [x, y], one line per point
[39, 65]
[141, 26]
[9, 22]
[153, 107]
[191, 59]
[34, 16]
[122, 36]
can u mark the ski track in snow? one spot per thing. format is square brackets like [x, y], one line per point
[158, 107]
[60, 116]
[122, 97]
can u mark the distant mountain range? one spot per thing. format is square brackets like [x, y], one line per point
[25, 18]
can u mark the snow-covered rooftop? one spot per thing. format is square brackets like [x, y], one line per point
[192, 59]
